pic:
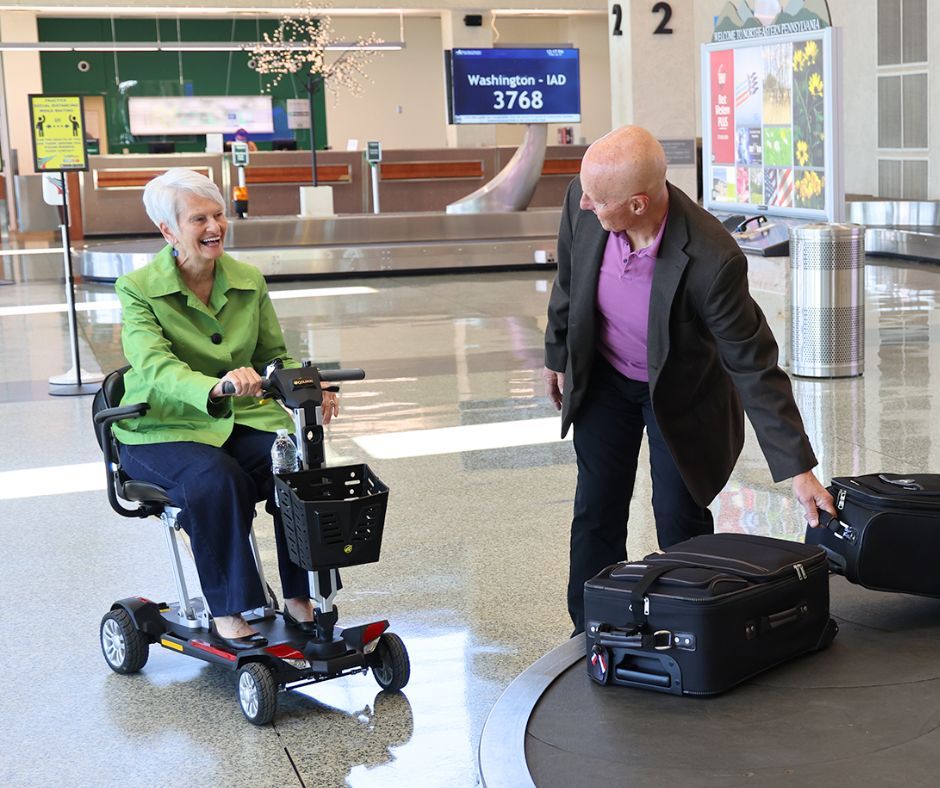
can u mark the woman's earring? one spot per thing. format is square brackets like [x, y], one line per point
[176, 252]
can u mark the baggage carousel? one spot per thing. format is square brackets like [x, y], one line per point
[864, 712]
[293, 247]
[904, 228]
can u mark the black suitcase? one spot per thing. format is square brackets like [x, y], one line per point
[707, 613]
[887, 535]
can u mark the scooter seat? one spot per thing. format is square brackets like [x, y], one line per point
[144, 492]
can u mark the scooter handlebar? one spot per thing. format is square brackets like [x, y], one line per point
[326, 376]
[340, 375]
[228, 388]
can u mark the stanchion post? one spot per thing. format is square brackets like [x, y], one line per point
[70, 281]
[374, 158]
[70, 383]
[376, 208]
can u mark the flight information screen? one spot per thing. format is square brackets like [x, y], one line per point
[513, 86]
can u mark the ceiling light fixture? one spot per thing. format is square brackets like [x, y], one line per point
[220, 10]
[178, 46]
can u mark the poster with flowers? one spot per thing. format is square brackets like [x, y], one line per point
[809, 124]
[809, 106]
[810, 189]
[778, 157]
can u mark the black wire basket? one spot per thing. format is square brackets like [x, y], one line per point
[333, 517]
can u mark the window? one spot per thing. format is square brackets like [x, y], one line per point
[903, 99]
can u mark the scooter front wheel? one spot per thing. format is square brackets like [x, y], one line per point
[125, 649]
[394, 669]
[257, 693]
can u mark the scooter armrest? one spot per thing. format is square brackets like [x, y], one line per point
[111, 415]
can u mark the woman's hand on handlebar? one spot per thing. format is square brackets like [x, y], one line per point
[244, 380]
[330, 406]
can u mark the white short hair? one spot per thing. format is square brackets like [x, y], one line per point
[162, 194]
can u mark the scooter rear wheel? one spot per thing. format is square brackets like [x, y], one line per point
[395, 668]
[257, 693]
[125, 649]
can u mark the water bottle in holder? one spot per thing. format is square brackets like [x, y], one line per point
[284, 454]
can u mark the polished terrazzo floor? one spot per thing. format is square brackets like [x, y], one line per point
[473, 567]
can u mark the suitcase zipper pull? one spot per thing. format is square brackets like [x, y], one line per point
[800, 571]
[840, 500]
[597, 657]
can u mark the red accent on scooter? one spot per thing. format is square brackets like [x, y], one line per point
[212, 650]
[374, 630]
[283, 651]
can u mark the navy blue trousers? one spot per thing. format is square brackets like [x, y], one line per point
[608, 431]
[217, 489]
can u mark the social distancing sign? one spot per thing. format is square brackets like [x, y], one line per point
[58, 125]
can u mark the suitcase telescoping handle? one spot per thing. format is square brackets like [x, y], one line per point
[839, 529]
[643, 677]
[634, 658]
[635, 637]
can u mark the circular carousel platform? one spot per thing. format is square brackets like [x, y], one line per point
[866, 711]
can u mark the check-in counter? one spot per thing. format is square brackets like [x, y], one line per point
[562, 163]
[113, 186]
[274, 179]
[428, 180]
[409, 180]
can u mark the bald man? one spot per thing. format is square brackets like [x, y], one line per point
[651, 325]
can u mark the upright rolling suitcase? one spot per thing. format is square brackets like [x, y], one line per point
[707, 613]
[887, 534]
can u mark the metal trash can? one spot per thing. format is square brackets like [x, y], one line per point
[827, 300]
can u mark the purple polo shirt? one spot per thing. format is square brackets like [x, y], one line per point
[623, 303]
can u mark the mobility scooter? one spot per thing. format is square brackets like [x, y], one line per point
[333, 517]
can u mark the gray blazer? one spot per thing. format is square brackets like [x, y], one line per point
[711, 354]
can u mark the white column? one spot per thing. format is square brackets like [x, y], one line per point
[652, 75]
[21, 76]
[454, 34]
[590, 35]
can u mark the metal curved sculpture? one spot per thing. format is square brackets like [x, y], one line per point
[512, 188]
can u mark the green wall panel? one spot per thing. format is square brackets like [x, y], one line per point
[163, 73]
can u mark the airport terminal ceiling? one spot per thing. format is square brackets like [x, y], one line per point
[882, 168]
[254, 8]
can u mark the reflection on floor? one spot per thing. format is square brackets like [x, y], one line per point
[474, 559]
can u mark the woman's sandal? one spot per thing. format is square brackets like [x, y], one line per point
[307, 627]
[254, 640]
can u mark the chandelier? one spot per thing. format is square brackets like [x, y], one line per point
[299, 45]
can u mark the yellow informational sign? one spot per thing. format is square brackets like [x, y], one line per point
[58, 125]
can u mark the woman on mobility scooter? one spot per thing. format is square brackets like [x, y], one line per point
[194, 319]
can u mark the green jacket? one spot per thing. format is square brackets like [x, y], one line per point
[168, 341]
